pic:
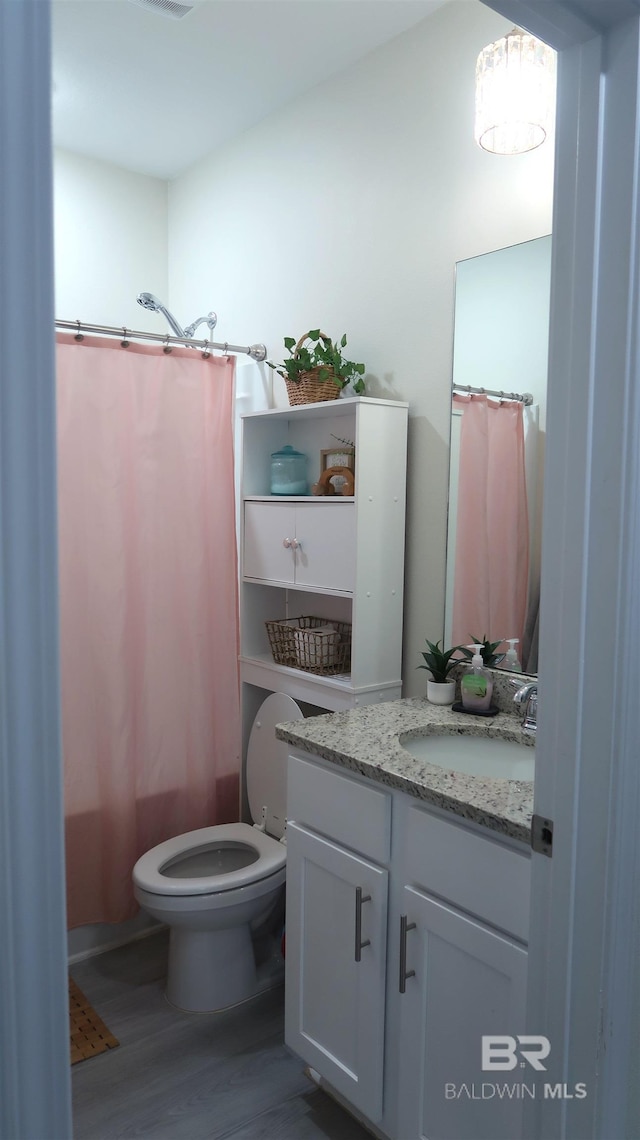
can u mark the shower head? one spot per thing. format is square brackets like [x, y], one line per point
[148, 301]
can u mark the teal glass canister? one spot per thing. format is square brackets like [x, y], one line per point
[289, 472]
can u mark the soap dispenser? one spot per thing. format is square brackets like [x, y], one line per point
[511, 657]
[476, 686]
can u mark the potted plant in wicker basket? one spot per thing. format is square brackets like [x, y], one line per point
[439, 662]
[317, 371]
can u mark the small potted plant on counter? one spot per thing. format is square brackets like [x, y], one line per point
[490, 658]
[318, 371]
[439, 662]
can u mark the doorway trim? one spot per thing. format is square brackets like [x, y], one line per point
[585, 943]
[34, 1009]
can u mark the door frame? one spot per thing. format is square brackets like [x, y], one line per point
[584, 945]
[584, 935]
[35, 1098]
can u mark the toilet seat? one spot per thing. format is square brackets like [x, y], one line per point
[271, 858]
[260, 858]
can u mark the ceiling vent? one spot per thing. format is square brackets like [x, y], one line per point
[169, 8]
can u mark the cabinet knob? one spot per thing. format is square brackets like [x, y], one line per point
[295, 545]
[286, 542]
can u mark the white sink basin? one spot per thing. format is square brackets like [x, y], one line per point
[474, 755]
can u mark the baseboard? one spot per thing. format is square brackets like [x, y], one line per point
[114, 944]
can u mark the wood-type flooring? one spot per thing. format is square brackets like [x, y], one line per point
[177, 1076]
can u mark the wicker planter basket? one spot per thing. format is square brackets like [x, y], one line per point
[306, 643]
[309, 389]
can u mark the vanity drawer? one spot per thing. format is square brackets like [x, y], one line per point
[354, 814]
[479, 875]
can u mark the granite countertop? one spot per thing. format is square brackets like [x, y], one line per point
[367, 740]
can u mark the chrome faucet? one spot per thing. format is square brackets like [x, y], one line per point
[527, 698]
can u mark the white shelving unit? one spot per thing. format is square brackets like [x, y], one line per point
[344, 557]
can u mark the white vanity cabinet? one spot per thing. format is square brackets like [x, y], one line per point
[466, 980]
[450, 968]
[462, 935]
[336, 962]
[336, 558]
[338, 847]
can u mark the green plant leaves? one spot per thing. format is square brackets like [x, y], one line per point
[488, 651]
[324, 355]
[439, 661]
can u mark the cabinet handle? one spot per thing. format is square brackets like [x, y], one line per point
[360, 899]
[404, 973]
[286, 542]
[295, 545]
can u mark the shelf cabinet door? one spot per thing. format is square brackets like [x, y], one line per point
[266, 527]
[325, 557]
[321, 544]
[335, 1003]
[469, 981]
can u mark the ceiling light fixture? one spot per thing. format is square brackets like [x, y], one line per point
[515, 93]
[166, 8]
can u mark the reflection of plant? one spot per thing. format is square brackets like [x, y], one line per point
[323, 355]
[487, 651]
[439, 661]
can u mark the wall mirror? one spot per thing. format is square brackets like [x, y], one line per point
[501, 335]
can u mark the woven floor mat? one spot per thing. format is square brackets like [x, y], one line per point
[89, 1034]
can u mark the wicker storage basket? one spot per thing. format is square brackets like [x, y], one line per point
[306, 643]
[309, 389]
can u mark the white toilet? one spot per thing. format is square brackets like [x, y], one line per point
[213, 886]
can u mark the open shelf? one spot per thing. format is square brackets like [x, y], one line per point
[335, 693]
[299, 499]
[325, 410]
[275, 584]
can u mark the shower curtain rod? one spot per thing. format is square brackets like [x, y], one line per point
[525, 398]
[78, 328]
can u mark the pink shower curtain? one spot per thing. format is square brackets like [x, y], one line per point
[492, 534]
[148, 608]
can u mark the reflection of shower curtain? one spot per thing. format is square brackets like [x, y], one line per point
[492, 539]
[148, 608]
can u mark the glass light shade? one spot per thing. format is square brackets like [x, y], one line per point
[515, 94]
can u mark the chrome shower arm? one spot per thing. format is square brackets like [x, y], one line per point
[210, 321]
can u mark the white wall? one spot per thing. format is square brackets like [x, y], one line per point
[110, 242]
[349, 210]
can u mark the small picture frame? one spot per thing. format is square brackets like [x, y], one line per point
[337, 457]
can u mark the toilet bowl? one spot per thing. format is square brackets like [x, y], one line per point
[213, 887]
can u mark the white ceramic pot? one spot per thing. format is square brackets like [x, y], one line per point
[441, 694]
